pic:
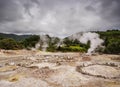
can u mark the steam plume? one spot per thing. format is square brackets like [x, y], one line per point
[94, 39]
[44, 42]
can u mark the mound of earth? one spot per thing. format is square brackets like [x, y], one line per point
[101, 71]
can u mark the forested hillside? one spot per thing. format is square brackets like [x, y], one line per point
[14, 36]
[14, 42]
[11, 41]
[111, 41]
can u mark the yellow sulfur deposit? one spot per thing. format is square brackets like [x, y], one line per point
[15, 77]
[7, 68]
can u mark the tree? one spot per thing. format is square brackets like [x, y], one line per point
[53, 44]
[31, 41]
[9, 44]
[111, 41]
[113, 46]
[69, 42]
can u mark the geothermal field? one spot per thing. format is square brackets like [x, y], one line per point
[23, 68]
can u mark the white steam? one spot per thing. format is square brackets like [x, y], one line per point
[44, 42]
[37, 46]
[94, 39]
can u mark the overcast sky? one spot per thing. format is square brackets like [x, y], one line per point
[58, 17]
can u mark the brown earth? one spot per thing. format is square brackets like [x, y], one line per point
[23, 68]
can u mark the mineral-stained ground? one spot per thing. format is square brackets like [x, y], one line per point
[22, 68]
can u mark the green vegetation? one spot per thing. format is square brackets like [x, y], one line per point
[31, 41]
[113, 46]
[12, 42]
[52, 44]
[111, 41]
[73, 46]
[14, 36]
[9, 44]
[72, 49]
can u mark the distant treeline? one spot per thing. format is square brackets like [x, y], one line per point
[13, 42]
[111, 41]
[18, 42]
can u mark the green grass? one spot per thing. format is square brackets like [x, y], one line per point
[73, 49]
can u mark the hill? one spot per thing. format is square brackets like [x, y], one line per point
[14, 36]
[68, 44]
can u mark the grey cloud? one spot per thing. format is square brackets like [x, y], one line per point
[111, 10]
[90, 8]
[58, 17]
[9, 11]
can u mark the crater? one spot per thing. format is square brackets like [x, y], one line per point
[102, 71]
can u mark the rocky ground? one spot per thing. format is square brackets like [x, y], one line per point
[22, 68]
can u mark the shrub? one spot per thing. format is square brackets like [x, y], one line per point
[31, 41]
[9, 44]
[72, 49]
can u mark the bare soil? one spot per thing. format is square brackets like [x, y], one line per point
[23, 68]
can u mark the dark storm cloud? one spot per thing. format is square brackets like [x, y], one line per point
[108, 9]
[111, 10]
[9, 10]
[64, 16]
